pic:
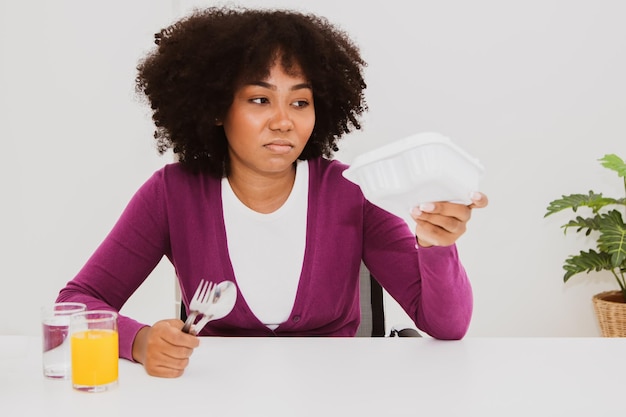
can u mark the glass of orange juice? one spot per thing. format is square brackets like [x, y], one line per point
[95, 350]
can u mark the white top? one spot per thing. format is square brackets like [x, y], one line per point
[267, 250]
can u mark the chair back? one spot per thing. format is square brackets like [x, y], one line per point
[372, 305]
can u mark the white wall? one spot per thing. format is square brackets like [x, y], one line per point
[535, 89]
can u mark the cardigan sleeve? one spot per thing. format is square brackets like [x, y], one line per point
[124, 259]
[430, 284]
[446, 304]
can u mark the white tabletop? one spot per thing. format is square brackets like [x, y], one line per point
[341, 377]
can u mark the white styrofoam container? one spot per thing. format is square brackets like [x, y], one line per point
[425, 167]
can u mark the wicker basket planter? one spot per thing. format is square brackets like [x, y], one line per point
[610, 310]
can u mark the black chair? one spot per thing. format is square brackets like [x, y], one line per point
[372, 310]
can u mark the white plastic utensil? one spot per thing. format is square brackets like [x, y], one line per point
[221, 302]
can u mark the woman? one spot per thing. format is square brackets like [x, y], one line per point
[253, 103]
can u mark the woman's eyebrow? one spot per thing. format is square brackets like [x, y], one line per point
[294, 87]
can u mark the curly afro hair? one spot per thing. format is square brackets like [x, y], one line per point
[191, 77]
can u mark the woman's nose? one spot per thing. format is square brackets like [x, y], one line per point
[281, 120]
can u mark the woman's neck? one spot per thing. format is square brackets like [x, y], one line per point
[263, 194]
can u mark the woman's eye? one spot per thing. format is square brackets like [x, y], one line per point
[301, 103]
[259, 100]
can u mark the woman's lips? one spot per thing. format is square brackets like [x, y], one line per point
[279, 147]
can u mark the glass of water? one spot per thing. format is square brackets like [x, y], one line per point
[55, 320]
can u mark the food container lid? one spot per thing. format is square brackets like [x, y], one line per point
[420, 168]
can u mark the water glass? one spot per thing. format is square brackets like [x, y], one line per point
[55, 321]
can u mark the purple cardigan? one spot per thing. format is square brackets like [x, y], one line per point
[179, 215]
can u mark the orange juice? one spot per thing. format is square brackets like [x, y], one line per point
[94, 357]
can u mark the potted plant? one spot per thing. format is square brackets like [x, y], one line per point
[604, 223]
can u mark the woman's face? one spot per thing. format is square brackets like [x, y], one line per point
[269, 122]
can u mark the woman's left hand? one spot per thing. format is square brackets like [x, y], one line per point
[442, 223]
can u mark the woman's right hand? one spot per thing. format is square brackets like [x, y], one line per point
[163, 349]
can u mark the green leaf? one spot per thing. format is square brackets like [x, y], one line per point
[615, 163]
[591, 223]
[574, 201]
[612, 239]
[586, 262]
[608, 226]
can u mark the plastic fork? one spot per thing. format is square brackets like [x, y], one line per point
[200, 303]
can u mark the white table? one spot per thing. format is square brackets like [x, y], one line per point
[341, 377]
